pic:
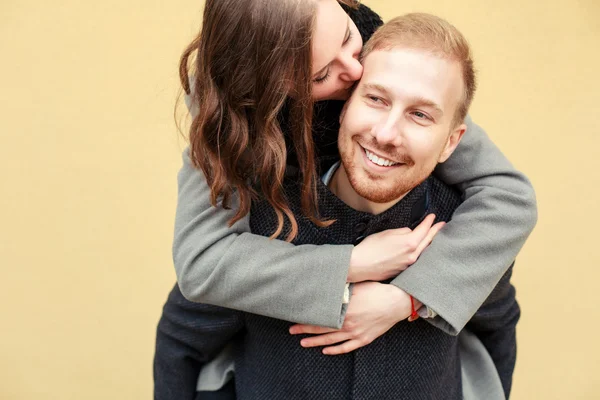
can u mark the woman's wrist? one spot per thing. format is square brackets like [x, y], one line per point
[356, 268]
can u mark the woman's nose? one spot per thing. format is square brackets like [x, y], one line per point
[352, 69]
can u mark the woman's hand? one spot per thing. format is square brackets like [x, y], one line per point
[385, 254]
[373, 309]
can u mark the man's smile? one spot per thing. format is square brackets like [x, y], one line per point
[378, 162]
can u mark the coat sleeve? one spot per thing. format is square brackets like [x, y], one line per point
[467, 258]
[230, 267]
[495, 326]
[188, 336]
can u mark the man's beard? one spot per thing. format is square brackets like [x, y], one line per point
[381, 188]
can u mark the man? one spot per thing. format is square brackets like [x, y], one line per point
[404, 117]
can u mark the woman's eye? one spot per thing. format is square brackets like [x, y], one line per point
[349, 38]
[374, 99]
[322, 78]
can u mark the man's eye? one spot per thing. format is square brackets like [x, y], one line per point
[421, 115]
[375, 99]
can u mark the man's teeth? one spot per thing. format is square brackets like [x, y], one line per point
[378, 160]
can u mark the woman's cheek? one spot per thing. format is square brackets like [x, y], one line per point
[317, 92]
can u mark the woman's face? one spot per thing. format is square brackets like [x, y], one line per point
[336, 46]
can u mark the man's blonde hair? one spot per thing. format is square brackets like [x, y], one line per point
[427, 32]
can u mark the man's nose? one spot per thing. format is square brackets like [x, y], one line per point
[352, 69]
[388, 131]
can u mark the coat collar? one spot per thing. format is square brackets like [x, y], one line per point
[408, 212]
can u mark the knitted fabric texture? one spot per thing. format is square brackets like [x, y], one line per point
[411, 361]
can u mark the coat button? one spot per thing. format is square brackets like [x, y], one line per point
[360, 228]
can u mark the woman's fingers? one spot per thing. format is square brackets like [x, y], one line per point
[310, 329]
[343, 348]
[420, 232]
[326, 339]
[429, 238]
[402, 231]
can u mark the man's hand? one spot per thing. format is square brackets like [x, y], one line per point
[385, 254]
[373, 309]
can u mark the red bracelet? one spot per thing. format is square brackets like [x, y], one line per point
[413, 314]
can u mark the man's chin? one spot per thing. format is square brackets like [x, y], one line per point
[379, 196]
[373, 191]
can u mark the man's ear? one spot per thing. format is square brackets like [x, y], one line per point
[452, 142]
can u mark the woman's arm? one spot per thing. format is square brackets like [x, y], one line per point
[468, 257]
[230, 267]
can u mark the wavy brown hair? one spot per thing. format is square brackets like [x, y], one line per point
[252, 57]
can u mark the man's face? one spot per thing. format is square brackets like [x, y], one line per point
[398, 123]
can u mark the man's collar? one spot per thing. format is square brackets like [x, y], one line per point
[408, 212]
[326, 178]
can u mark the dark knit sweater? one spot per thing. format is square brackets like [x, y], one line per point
[411, 361]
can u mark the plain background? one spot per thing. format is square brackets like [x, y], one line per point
[90, 153]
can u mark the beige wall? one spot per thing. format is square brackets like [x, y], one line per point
[88, 167]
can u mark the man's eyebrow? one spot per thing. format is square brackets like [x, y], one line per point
[319, 72]
[376, 86]
[418, 100]
[422, 101]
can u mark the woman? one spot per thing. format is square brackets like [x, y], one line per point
[235, 137]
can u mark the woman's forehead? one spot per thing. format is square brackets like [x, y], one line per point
[330, 29]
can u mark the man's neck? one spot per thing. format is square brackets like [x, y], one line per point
[341, 187]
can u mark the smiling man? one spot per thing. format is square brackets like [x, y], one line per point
[404, 117]
[401, 121]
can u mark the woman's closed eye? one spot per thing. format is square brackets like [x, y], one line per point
[348, 37]
[322, 78]
[327, 74]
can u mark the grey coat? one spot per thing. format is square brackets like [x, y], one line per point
[222, 265]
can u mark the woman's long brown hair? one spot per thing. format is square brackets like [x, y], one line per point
[252, 57]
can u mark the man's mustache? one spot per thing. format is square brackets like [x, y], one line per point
[387, 151]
